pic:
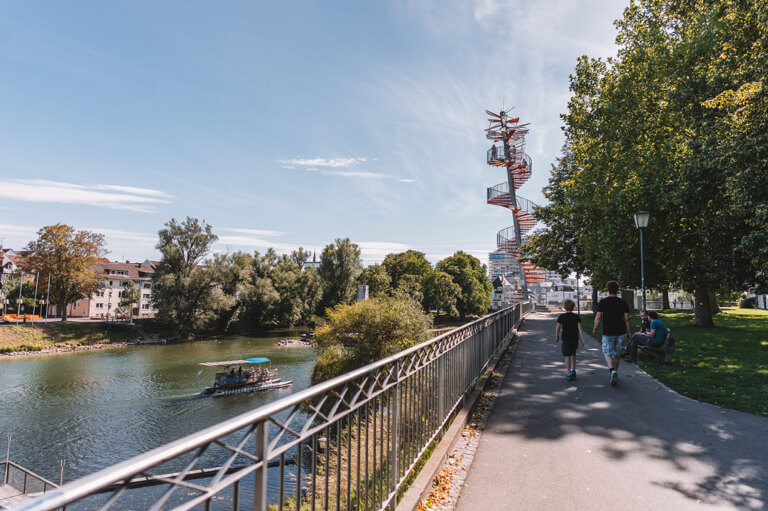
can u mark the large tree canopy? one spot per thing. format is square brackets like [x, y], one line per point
[66, 255]
[472, 278]
[676, 125]
[340, 265]
[187, 289]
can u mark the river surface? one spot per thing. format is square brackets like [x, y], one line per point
[95, 408]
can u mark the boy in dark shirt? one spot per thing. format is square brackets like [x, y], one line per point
[570, 325]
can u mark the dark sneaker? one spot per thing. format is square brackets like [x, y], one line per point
[573, 374]
[614, 378]
[568, 376]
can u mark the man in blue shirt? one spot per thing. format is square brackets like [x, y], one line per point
[655, 338]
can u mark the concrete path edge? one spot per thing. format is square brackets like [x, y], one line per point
[422, 485]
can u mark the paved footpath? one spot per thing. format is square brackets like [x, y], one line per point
[555, 444]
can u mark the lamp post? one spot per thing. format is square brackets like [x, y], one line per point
[641, 221]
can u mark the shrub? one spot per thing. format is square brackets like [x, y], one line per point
[366, 331]
[748, 303]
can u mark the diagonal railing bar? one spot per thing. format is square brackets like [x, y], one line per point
[224, 484]
[115, 496]
[280, 434]
[339, 401]
[181, 483]
[362, 434]
[238, 451]
[180, 477]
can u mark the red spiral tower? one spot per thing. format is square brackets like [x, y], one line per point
[508, 137]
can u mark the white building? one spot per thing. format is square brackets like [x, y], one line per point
[505, 273]
[113, 277]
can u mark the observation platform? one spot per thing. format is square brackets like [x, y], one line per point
[10, 496]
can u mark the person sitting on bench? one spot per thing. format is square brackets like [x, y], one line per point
[655, 337]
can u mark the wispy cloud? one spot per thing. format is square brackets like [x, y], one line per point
[323, 166]
[253, 232]
[128, 198]
[253, 239]
[366, 175]
[313, 163]
[140, 237]
[375, 251]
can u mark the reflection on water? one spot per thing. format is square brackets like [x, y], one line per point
[94, 409]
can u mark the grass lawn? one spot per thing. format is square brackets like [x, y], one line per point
[54, 335]
[726, 365]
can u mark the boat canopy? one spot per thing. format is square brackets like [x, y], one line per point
[235, 362]
[257, 360]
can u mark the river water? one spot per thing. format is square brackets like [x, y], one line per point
[95, 408]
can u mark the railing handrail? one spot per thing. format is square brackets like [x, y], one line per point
[28, 472]
[122, 471]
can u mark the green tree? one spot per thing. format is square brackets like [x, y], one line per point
[472, 278]
[11, 292]
[187, 289]
[655, 129]
[441, 293]
[361, 333]
[410, 262]
[281, 291]
[67, 255]
[377, 279]
[340, 265]
[131, 296]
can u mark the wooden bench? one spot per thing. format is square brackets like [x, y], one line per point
[664, 356]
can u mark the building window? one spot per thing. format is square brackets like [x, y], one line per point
[145, 306]
[146, 296]
[147, 285]
[99, 305]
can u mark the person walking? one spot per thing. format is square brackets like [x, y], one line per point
[614, 313]
[572, 332]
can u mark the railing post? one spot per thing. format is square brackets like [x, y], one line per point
[441, 381]
[260, 475]
[395, 436]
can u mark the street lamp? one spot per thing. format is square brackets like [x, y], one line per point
[641, 221]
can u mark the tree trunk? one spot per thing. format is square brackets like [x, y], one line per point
[713, 306]
[665, 298]
[629, 296]
[63, 307]
[594, 300]
[702, 315]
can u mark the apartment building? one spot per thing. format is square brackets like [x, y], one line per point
[113, 277]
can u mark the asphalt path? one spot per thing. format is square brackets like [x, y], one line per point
[554, 444]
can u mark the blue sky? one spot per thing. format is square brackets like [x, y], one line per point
[282, 124]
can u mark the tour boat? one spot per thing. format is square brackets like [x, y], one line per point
[246, 375]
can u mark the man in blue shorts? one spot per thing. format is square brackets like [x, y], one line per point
[614, 312]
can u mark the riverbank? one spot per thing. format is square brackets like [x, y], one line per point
[21, 340]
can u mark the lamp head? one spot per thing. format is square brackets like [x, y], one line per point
[641, 219]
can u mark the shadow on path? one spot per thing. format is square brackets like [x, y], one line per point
[583, 444]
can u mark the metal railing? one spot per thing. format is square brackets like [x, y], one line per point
[348, 443]
[24, 480]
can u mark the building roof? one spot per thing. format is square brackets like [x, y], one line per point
[133, 270]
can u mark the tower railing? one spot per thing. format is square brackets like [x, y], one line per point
[348, 443]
